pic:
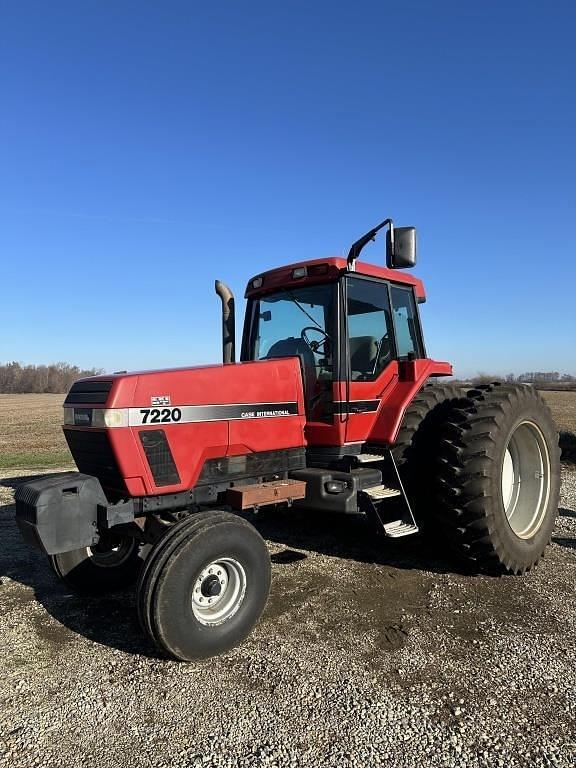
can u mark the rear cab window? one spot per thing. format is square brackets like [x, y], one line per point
[406, 322]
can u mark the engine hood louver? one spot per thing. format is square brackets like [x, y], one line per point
[93, 392]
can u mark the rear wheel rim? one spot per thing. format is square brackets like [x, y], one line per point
[219, 591]
[525, 479]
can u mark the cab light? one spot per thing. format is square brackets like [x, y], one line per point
[257, 282]
[299, 272]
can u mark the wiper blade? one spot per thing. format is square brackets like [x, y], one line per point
[301, 308]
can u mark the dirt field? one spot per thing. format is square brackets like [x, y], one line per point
[31, 433]
[369, 652]
[563, 407]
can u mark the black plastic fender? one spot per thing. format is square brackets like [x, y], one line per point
[58, 513]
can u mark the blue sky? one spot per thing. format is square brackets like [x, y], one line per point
[147, 148]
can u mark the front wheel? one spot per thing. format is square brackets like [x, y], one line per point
[204, 586]
[112, 564]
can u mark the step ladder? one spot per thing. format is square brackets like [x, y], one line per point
[377, 494]
[367, 458]
[399, 528]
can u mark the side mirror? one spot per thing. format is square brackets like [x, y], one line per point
[401, 247]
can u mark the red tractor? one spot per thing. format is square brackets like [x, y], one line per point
[332, 407]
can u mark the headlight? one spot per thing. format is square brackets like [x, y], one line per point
[115, 417]
[109, 417]
[100, 418]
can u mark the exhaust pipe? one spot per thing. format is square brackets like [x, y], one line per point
[228, 322]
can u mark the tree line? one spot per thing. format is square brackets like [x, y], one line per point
[534, 377]
[16, 378]
[57, 378]
[538, 379]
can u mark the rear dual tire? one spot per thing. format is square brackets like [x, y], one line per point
[482, 471]
[415, 444]
[497, 477]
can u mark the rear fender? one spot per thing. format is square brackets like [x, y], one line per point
[412, 375]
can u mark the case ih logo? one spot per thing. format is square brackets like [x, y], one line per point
[160, 400]
[264, 414]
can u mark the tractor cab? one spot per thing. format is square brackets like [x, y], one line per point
[354, 327]
[349, 327]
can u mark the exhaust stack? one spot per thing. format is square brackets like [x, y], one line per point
[228, 322]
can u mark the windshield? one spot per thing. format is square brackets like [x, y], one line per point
[295, 322]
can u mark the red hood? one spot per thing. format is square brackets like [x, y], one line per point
[205, 384]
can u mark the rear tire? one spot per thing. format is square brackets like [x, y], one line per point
[497, 477]
[204, 586]
[412, 449]
[113, 564]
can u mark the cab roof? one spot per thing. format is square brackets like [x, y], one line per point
[323, 271]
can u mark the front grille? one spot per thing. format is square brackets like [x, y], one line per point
[94, 392]
[93, 455]
[159, 457]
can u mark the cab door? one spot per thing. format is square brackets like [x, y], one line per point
[382, 331]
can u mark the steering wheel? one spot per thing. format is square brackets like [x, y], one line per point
[317, 346]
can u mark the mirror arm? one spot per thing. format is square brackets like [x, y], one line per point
[365, 239]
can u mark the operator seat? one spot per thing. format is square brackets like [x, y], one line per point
[297, 347]
[363, 351]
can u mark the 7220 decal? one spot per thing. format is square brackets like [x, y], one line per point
[160, 415]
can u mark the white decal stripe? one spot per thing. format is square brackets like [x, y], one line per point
[187, 414]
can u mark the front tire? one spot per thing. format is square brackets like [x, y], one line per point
[497, 478]
[112, 564]
[204, 586]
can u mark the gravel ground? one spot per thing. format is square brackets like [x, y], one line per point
[369, 653]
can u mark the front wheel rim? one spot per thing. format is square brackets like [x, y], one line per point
[219, 591]
[525, 479]
[111, 551]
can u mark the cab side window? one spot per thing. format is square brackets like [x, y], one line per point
[408, 341]
[370, 333]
